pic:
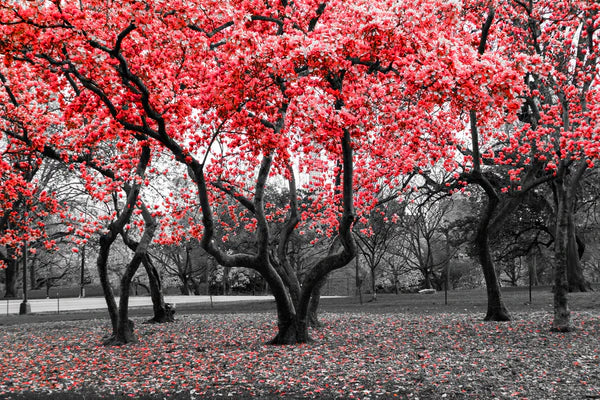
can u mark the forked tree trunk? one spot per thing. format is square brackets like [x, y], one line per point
[122, 327]
[125, 326]
[124, 333]
[292, 327]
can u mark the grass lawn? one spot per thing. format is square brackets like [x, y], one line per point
[407, 347]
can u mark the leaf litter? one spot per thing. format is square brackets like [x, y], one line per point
[353, 356]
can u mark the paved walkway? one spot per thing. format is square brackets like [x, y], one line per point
[11, 306]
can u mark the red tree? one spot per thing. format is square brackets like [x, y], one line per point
[240, 91]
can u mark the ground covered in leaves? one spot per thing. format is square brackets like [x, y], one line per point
[353, 356]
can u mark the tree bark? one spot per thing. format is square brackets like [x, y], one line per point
[120, 323]
[185, 287]
[292, 327]
[106, 240]
[10, 278]
[575, 278]
[562, 314]
[496, 310]
[358, 278]
[373, 285]
[313, 307]
[163, 312]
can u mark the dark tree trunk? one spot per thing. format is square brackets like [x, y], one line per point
[292, 328]
[196, 285]
[163, 312]
[562, 314]
[106, 241]
[373, 285]
[185, 287]
[125, 326]
[313, 306]
[122, 327]
[32, 274]
[226, 285]
[496, 311]
[358, 278]
[10, 278]
[124, 333]
[427, 276]
[575, 248]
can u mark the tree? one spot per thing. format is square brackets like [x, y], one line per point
[243, 91]
[377, 236]
[20, 132]
[560, 42]
[424, 235]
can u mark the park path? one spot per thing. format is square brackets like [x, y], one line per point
[11, 306]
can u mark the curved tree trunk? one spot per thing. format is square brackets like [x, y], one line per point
[118, 316]
[125, 332]
[106, 241]
[163, 312]
[125, 326]
[496, 311]
[313, 306]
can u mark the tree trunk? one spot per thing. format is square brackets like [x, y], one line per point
[163, 312]
[125, 326]
[185, 289]
[427, 278]
[292, 328]
[124, 333]
[373, 285]
[313, 306]
[10, 278]
[226, 285]
[106, 241]
[32, 275]
[562, 314]
[496, 311]
[533, 273]
[576, 280]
